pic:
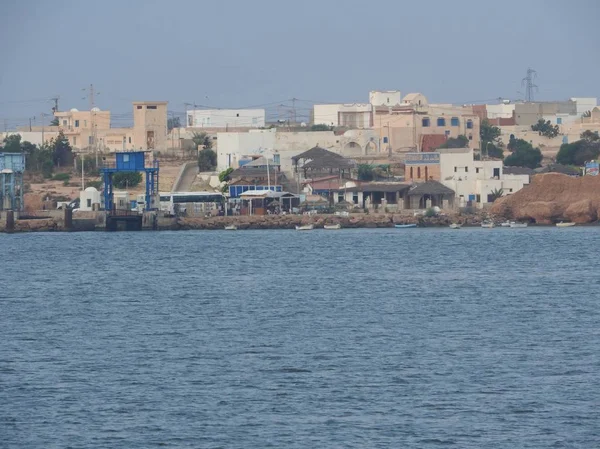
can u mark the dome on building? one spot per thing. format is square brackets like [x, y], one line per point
[91, 189]
[74, 110]
[95, 109]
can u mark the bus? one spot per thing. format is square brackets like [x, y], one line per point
[191, 203]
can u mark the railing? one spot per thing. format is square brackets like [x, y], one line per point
[124, 213]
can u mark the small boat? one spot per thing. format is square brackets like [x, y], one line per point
[335, 226]
[308, 227]
[409, 225]
[455, 226]
[488, 224]
[516, 224]
[564, 225]
[231, 228]
[506, 224]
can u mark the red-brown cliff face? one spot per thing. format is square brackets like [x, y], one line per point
[552, 197]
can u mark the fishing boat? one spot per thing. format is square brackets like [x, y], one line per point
[332, 227]
[231, 228]
[455, 226]
[308, 227]
[564, 225]
[488, 224]
[516, 224]
[408, 225]
[505, 224]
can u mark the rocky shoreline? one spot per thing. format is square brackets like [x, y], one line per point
[353, 221]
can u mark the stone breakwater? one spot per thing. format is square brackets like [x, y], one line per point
[95, 222]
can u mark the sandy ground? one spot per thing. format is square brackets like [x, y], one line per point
[54, 189]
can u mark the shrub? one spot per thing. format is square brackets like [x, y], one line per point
[62, 177]
[95, 184]
[430, 212]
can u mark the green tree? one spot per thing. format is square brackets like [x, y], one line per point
[54, 122]
[366, 172]
[207, 160]
[124, 180]
[12, 144]
[489, 133]
[202, 140]
[494, 151]
[545, 128]
[224, 176]
[579, 152]
[62, 153]
[456, 142]
[173, 122]
[523, 154]
[590, 136]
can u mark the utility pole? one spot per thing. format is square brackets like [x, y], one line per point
[91, 97]
[294, 109]
[55, 100]
[529, 85]
[42, 116]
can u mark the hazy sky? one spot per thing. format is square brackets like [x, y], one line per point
[244, 53]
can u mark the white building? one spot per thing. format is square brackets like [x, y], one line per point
[355, 115]
[225, 118]
[87, 199]
[236, 148]
[385, 97]
[476, 181]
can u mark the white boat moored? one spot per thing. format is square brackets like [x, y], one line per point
[231, 228]
[332, 227]
[308, 227]
[488, 224]
[455, 226]
[515, 224]
[564, 225]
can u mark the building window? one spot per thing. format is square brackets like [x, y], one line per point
[150, 107]
[426, 122]
[447, 133]
[419, 172]
[139, 107]
[125, 158]
[411, 172]
[89, 202]
[130, 140]
[469, 124]
[559, 120]
[454, 121]
[455, 169]
[340, 196]
[477, 170]
[496, 173]
[478, 198]
[85, 123]
[441, 121]
[510, 190]
[76, 123]
[466, 169]
[470, 136]
[237, 115]
[385, 140]
[90, 140]
[355, 197]
[426, 173]
[64, 123]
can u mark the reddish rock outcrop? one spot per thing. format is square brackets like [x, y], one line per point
[552, 197]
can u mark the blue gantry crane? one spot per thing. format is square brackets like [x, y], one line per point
[131, 161]
[12, 169]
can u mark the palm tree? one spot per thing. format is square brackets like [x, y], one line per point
[496, 193]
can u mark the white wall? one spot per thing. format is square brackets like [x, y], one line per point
[33, 137]
[585, 104]
[223, 118]
[233, 146]
[499, 110]
[326, 114]
[385, 97]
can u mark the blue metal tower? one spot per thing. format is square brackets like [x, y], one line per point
[130, 161]
[12, 167]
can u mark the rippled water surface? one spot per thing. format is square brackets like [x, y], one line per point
[412, 338]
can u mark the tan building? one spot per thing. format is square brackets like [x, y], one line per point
[403, 128]
[91, 130]
[150, 125]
